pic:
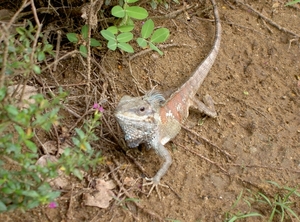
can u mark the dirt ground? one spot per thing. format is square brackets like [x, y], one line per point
[255, 83]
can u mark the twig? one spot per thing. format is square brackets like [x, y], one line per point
[6, 43]
[74, 52]
[228, 155]
[142, 208]
[5, 55]
[203, 157]
[79, 119]
[161, 46]
[37, 34]
[69, 212]
[12, 20]
[89, 69]
[177, 12]
[57, 48]
[261, 166]
[269, 20]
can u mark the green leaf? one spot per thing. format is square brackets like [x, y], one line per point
[48, 47]
[30, 145]
[108, 35]
[152, 46]
[41, 56]
[126, 47]
[94, 42]
[292, 2]
[137, 12]
[30, 193]
[112, 45]
[2, 207]
[76, 141]
[72, 37]
[12, 110]
[21, 30]
[142, 42]
[85, 31]
[2, 93]
[147, 28]
[160, 35]
[126, 28]
[20, 131]
[33, 204]
[131, 1]
[125, 37]
[83, 50]
[153, 4]
[36, 69]
[78, 174]
[7, 190]
[118, 11]
[112, 29]
[80, 133]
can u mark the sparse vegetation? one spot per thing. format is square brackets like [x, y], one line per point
[280, 206]
[119, 36]
[24, 184]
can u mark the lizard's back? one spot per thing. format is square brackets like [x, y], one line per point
[176, 109]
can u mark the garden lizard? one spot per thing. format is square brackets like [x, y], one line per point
[153, 120]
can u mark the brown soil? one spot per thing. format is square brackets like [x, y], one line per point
[255, 84]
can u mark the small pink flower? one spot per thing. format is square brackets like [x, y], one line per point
[52, 205]
[98, 107]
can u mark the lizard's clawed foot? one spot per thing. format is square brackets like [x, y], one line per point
[154, 184]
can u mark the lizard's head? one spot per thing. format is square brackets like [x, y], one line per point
[138, 117]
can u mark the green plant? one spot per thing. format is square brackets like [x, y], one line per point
[23, 183]
[119, 40]
[280, 204]
[158, 36]
[292, 2]
[278, 207]
[127, 13]
[25, 36]
[82, 40]
[119, 36]
[231, 217]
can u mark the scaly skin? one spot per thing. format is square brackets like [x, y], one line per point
[152, 120]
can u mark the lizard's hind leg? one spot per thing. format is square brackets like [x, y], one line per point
[207, 107]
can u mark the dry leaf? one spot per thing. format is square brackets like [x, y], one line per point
[27, 93]
[102, 196]
[50, 147]
[129, 181]
[43, 160]
[60, 182]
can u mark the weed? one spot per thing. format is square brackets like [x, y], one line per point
[119, 36]
[278, 207]
[82, 40]
[23, 112]
[292, 2]
[231, 217]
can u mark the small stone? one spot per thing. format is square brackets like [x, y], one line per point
[253, 150]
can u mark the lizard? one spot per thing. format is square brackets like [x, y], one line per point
[153, 120]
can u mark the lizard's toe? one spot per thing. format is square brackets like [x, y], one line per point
[154, 184]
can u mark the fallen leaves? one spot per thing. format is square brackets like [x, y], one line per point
[102, 195]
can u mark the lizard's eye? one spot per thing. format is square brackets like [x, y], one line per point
[142, 109]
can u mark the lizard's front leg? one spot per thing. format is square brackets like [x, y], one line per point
[155, 181]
